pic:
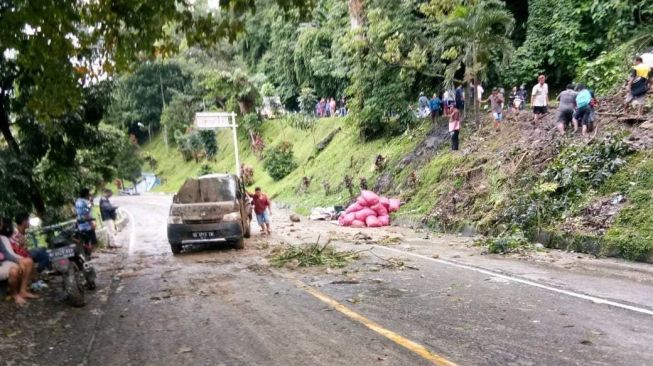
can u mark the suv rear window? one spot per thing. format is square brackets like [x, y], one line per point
[210, 189]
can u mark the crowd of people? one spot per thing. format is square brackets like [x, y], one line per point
[576, 106]
[22, 265]
[329, 107]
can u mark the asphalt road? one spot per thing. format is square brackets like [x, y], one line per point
[219, 306]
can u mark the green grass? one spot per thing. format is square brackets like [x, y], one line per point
[345, 155]
[632, 234]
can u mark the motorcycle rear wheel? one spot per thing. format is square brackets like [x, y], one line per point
[73, 283]
[90, 276]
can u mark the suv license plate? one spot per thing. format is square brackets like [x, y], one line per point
[204, 235]
[62, 253]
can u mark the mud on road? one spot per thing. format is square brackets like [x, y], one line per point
[413, 298]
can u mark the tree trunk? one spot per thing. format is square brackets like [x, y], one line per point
[477, 102]
[246, 106]
[5, 127]
[356, 13]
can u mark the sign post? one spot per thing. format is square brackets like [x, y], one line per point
[217, 120]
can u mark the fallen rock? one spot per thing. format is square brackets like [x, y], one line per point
[295, 218]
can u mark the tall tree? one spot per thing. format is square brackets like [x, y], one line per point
[50, 49]
[475, 36]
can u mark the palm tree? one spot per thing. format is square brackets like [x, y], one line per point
[474, 36]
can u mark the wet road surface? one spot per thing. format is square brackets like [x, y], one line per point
[220, 306]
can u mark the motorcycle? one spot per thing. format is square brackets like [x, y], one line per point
[69, 258]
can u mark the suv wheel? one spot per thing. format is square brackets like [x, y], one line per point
[176, 248]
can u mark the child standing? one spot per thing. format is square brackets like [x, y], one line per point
[454, 127]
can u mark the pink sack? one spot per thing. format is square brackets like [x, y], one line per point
[341, 220]
[394, 205]
[357, 223]
[349, 218]
[384, 220]
[354, 208]
[370, 197]
[385, 202]
[380, 209]
[362, 214]
[361, 201]
[372, 221]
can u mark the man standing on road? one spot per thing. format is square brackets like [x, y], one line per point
[108, 214]
[566, 108]
[540, 98]
[262, 209]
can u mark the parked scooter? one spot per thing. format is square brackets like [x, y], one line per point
[69, 259]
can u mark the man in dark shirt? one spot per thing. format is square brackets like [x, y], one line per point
[567, 99]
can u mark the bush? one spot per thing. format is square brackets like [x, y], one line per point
[205, 170]
[577, 170]
[301, 121]
[251, 123]
[279, 160]
[507, 243]
[209, 142]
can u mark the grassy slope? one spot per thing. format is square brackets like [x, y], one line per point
[453, 190]
[344, 155]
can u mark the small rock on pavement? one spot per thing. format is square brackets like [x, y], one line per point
[185, 350]
[295, 218]
[436, 256]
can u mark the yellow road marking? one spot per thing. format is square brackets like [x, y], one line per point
[396, 338]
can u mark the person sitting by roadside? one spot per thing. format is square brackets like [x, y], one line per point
[435, 104]
[638, 84]
[584, 110]
[85, 219]
[262, 209]
[26, 265]
[19, 243]
[567, 99]
[12, 273]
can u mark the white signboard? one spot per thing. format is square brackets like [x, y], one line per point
[212, 120]
[216, 120]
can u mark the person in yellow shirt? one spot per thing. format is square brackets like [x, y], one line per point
[638, 84]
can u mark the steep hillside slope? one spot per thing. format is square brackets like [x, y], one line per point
[523, 183]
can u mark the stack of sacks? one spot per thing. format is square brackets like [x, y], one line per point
[369, 210]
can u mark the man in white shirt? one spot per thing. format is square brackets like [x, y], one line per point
[540, 98]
